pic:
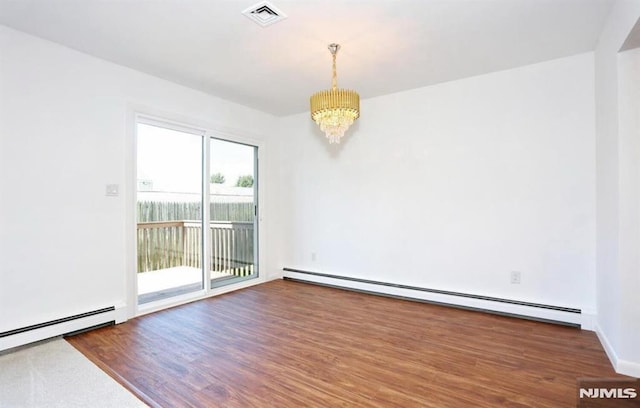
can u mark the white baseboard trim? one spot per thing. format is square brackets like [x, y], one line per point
[48, 330]
[120, 313]
[606, 345]
[274, 276]
[588, 320]
[553, 314]
[624, 367]
[629, 368]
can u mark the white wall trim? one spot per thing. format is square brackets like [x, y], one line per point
[606, 345]
[627, 367]
[624, 367]
[120, 313]
[517, 310]
[588, 320]
[278, 274]
[20, 339]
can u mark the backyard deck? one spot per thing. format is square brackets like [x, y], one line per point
[170, 278]
[170, 256]
[177, 280]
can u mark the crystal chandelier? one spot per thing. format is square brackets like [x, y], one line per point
[334, 110]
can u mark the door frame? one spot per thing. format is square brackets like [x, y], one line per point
[209, 130]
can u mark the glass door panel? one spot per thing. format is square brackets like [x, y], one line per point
[169, 212]
[233, 208]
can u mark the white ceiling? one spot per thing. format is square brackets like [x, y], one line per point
[387, 45]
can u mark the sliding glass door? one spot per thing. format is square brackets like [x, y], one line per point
[233, 209]
[176, 168]
[169, 212]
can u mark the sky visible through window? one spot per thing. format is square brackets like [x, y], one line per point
[171, 160]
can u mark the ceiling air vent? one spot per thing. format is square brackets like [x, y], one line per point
[264, 13]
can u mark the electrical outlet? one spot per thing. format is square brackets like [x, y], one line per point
[314, 256]
[516, 277]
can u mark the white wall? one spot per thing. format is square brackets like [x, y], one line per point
[63, 137]
[629, 157]
[454, 186]
[617, 296]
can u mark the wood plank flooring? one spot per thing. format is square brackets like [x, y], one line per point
[290, 344]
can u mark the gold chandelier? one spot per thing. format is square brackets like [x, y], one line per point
[334, 110]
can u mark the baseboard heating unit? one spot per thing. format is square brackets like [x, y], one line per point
[508, 307]
[62, 326]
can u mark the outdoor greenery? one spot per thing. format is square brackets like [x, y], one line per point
[218, 178]
[245, 181]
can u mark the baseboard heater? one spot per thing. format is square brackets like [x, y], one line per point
[58, 327]
[507, 307]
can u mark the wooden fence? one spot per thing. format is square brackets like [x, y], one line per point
[167, 244]
[149, 211]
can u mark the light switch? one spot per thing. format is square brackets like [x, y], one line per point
[113, 190]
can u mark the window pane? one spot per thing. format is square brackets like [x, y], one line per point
[169, 212]
[233, 183]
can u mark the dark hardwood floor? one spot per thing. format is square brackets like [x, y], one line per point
[289, 344]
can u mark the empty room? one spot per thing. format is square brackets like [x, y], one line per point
[305, 203]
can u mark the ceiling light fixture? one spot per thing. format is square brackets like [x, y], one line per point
[334, 110]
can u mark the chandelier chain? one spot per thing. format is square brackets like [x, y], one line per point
[334, 80]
